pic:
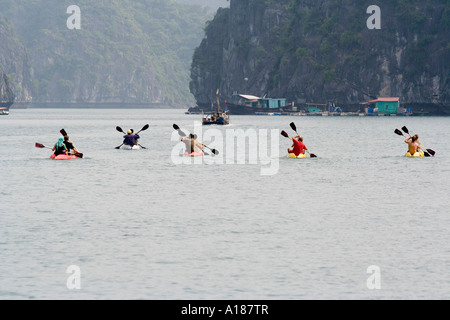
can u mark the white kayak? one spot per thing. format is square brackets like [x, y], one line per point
[136, 147]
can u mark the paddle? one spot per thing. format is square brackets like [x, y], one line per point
[399, 132]
[120, 129]
[284, 134]
[182, 134]
[294, 127]
[41, 146]
[143, 129]
[64, 133]
[405, 129]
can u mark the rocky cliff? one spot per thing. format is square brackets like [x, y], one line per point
[323, 51]
[6, 94]
[14, 62]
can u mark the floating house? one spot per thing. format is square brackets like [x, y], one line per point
[266, 103]
[384, 105]
[244, 104]
[315, 107]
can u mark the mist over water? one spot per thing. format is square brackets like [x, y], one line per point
[140, 226]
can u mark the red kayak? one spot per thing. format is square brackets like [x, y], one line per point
[63, 157]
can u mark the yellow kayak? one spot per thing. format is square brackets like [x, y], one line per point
[415, 155]
[293, 156]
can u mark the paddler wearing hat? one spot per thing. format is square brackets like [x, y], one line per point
[131, 139]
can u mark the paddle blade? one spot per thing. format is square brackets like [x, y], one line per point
[145, 127]
[398, 132]
[181, 133]
[313, 155]
[293, 126]
[215, 152]
[63, 132]
[119, 129]
[79, 155]
[39, 145]
[432, 152]
[284, 134]
[405, 130]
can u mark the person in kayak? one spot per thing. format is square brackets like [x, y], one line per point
[192, 144]
[298, 147]
[131, 139]
[59, 147]
[69, 145]
[413, 144]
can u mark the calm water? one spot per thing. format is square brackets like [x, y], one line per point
[140, 226]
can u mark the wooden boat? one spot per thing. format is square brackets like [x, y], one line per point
[218, 117]
[4, 108]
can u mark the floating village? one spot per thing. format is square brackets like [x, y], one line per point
[252, 105]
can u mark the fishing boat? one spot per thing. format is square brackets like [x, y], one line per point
[219, 117]
[4, 107]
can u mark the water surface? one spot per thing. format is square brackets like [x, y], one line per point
[140, 226]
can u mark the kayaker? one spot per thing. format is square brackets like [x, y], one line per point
[298, 147]
[413, 144]
[131, 139]
[187, 143]
[59, 147]
[192, 144]
[69, 145]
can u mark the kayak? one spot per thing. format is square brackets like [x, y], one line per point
[293, 156]
[415, 155]
[194, 154]
[63, 157]
[136, 147]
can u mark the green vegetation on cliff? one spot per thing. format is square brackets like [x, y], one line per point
[6, 94]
